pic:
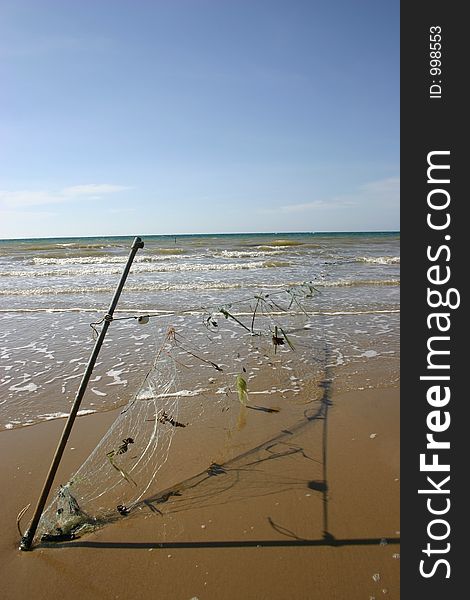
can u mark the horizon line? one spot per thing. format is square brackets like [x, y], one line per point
[147, 235]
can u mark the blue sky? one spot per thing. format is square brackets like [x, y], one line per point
[122, 117]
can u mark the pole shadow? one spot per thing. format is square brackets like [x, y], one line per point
[299, 543]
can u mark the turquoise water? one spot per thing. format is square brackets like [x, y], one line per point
[51, 289]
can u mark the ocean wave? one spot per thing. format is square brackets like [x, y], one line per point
[83, 245]
[62, 415]
[164, 313]
[147, 268]
[46, 247]
[76, 252]
[269, 264]
[59, 249]
[197, 286]
[356, 282]
[148, 287]
[15, 424]
[52, 310]
[379, 260]
[288, 245]
[277, 248]
[248, 253]
[92, 260]
[283, 243]
[167, 251]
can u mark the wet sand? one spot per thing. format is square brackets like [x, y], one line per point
[315, 515]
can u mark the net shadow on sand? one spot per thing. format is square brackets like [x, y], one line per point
[194, 399]
[248, 476]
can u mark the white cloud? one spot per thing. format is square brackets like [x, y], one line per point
[311, 206]
[383, 186]
[93, 189]
[382, 191]
[26, 198]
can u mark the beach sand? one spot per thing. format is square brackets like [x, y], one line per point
[255, 531]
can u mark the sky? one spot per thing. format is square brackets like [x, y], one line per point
[125, 117]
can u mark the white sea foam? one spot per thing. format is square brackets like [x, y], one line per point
[149, 287]
[181, 287]
[27, 387]
[249, 253]
[146, 268]
[369, 354]
[182, 393]
[115, 374]
[98, 392]
[63, 415]
[93, 260]
[356, 282]
[379, 260]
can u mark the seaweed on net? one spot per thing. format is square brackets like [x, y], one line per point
[194, 384]
[101, 483]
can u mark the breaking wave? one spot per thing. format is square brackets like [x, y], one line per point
[379, 260]
[166, 286]
[147, 268]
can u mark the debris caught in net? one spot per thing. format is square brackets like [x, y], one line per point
[190, 414]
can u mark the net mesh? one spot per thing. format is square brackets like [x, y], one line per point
[218, 383]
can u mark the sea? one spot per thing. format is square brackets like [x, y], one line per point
[52, 290]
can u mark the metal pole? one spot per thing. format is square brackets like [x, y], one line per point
[27, 538]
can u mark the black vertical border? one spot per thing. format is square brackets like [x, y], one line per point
[430, 124]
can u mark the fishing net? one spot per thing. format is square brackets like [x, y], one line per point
[223, 381]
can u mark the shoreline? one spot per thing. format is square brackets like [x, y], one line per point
[255, 531]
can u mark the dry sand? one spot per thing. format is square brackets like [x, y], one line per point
[256, 531]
